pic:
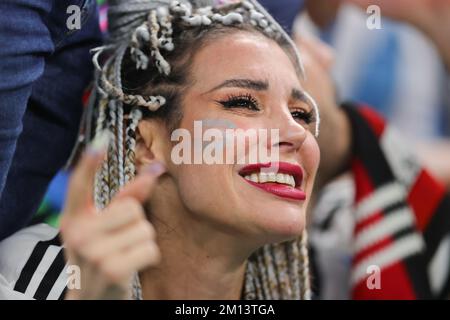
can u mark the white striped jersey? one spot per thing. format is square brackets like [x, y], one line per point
[32, 265]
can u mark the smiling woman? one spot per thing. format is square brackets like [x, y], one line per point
[170, 65]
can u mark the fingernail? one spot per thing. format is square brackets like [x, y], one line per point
[155, 169]
[99, 144]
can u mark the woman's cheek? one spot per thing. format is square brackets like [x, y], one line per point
[310, 155]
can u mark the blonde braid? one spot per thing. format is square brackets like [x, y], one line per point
[130, 143]
[253, 286]
[306, 276]
[282, 262]
[264, 275]
[291, 279]
[112, 151]
[294, 268]
[101, 178]
[120, 115]
[270, 262]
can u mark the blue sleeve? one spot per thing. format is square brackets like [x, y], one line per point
[25, 42]
[45, 68]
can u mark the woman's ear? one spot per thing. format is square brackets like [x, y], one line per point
[150, 142]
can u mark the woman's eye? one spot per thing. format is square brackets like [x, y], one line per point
[303, 116]
[247, 102]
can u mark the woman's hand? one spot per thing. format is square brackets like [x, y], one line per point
[108, 246]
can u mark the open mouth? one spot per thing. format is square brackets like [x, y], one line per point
[282, 179]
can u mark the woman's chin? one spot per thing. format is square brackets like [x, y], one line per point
[278, 216]
[281, 224]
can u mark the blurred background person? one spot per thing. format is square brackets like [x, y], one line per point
[401, 69]
[387, 211]
[45, 66]
[379, 214]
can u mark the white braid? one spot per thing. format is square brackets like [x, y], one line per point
[130, 170]
[161, 64]
[165, 41]
[153, 103]
[140, 37]
[120, 118]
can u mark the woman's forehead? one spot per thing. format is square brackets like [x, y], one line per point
[243, 55]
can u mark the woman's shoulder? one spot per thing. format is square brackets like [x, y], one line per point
[32, 264]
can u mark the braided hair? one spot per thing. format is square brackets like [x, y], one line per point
[142, 72]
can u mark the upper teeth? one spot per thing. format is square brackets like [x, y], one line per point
[262, 177]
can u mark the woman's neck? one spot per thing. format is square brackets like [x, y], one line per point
[186, 274]
[192, 281]
[198, 262]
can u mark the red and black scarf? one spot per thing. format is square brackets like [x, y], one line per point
[402, 215]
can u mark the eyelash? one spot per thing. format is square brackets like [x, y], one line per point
[238, 101]
[303, 115]
[249, 102]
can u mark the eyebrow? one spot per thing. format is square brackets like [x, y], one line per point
[297, 94]
[256, 85]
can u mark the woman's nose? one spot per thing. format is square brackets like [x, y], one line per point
[291, 134]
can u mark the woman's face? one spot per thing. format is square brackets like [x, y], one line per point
[245, 81]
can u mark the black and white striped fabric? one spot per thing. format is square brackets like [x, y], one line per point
[393, 216]
[32, 265]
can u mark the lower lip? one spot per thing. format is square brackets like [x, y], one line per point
[280, 190]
